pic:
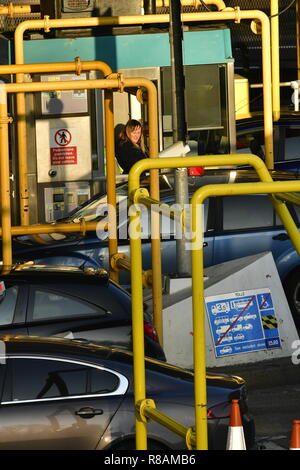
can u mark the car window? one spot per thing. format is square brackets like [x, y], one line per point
[291, 143]
[8, 299]
[103, 382]
[55, 379]
[242, 212]
[49, 304]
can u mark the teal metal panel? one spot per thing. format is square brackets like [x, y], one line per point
[133, 51]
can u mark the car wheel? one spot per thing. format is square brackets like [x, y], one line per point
[130, 445]
[292, 292]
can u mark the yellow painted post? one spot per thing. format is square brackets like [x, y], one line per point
[5, 180]
[274, 10]
[137, 325]
[111, 178]
[199, 327]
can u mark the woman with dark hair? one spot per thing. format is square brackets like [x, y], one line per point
[131, 146]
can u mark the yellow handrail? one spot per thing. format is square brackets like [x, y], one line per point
[106, 84]
[236, 15]
[267, 186]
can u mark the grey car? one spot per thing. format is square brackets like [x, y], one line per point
[62, 394]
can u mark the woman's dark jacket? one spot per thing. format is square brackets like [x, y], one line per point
[128, 154]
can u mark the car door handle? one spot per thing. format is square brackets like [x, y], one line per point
[88, 412]
[281, 236]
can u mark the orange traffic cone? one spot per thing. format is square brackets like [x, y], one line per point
[295, 438]
[235, 437]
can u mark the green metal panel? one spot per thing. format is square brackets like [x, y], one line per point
[133, 51]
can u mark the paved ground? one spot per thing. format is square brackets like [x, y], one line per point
[274, 399]
[274, 410]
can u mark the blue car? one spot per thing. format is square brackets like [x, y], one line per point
[234, 227]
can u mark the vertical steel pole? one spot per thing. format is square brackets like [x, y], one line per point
[179, 125]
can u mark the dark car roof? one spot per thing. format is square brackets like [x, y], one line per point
[44, 272]
[61, 347]
[257, 120]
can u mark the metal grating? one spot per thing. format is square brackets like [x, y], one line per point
[8, 24]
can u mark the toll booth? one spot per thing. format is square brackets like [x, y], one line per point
[66, 148]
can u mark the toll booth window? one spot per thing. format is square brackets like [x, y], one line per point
[8, 299]
[245, 212]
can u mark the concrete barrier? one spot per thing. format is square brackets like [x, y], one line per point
[247, 320]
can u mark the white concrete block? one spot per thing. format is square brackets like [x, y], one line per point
[253, 277]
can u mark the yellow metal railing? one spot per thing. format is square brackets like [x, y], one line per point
[146, 408]
[226, 14]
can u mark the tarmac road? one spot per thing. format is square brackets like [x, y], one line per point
[274, 410]
[273, 399]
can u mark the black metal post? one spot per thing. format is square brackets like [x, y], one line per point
[177, 73]
[183, 257]
[150, 7]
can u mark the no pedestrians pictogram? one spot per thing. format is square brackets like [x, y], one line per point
[63, 137]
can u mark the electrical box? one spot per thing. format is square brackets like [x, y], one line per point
[86, 8]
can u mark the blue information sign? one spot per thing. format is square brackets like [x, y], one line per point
[243, 322]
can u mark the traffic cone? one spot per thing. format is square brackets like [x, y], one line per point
[295, 438]
[235, 437]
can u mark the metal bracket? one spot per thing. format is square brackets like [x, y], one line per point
[47, 23]
[83, 226]
[138, 193]
[6, 120]
[121, 85]
[189, 438]
[140, 407]
[237, 14]
[78, 66]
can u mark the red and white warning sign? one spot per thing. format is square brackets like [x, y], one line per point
[63, 150]
[64, 144]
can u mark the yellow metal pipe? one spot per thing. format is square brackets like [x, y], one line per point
[57, 67]
[111, 178]
[199, 335]
[21, 111]
[5, 180]
[147, 409]
[12, 10]
[216, 160]
[275, 59]
[22, 158]
[138, 329]
[198, 284]
[289, 197]
[193, 3]
[87, 84]
[197, 264]
[57, 228]
[236, 15]
[155, 219]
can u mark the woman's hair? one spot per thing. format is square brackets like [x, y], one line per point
[128, 128]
